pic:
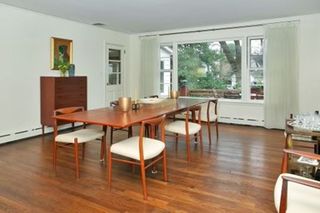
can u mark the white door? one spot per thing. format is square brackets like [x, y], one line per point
[114, 73]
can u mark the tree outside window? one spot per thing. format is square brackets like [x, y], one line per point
[211, 68]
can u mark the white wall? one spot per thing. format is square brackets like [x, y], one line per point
[309, 78]
[25, 56]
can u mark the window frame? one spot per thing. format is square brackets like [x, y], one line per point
[245, 69]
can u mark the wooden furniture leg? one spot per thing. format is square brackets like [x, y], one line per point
[76, 157]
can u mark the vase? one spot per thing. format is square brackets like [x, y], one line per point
[71, 70]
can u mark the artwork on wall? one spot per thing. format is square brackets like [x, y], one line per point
[61, 52]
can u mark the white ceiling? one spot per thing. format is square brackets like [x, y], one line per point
[139, 16]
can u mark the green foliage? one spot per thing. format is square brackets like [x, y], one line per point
[205, 66]
[63, 67]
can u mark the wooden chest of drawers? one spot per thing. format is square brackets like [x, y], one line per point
[58, 92]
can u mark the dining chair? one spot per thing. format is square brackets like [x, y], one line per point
[294, 193]
[112, 129]
[141, 150]
[190, 128]
[210, 116]
[154, 96]
[75, 138]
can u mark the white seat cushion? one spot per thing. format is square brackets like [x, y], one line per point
[300, 198]
[83, 135]
[180, 127]
[130, 148]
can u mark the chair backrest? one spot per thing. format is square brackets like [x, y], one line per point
[114, 103]
[211, 109]
[195, 116]
[63, 111]
[154, 125]
[152, 96]
[68, 110]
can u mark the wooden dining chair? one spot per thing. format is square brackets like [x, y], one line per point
[190, 128]
[75, 138]
[112, 129]
[141, 150]
[210, 116]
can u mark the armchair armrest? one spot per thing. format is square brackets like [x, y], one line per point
[304, 193]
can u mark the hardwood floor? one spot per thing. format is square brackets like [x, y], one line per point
[235, 174]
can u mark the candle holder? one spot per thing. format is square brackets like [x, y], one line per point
[174, 94]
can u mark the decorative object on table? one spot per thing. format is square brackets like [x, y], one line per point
[150, 100]
[306, 121]
[125, 103]
[61, 52]
[174, 94]
[72, 70]
[135, 105]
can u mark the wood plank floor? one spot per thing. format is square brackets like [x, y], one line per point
[235, 174]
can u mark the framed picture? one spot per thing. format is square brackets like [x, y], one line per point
[61, 52]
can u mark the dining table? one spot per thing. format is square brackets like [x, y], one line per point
[116, 118]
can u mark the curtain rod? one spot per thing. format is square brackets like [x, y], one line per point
[217, 29]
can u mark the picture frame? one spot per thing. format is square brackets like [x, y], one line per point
[61, 52]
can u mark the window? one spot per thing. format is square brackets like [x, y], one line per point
[114, 67]
[215, 68]
[166, 69]
[255, 64]
[211, 68]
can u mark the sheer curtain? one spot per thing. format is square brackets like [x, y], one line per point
[281, 93]
[150, 74]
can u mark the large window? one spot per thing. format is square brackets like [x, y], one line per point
[226, 68]
[166, 69]
[211, 67]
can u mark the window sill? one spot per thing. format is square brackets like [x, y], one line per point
[223, 100]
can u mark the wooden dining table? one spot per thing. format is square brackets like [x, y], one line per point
[116, 118]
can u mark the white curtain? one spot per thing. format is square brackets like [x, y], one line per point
[150, 74]
[282, 63]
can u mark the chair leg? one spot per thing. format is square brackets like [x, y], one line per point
[177, 139]
[164, 165]
[103, 152]
[76, 158]
[83, 149]
[54, 151]
[209, 132]
[201, 142]
[130, 132]
[109, 168]
[111, 135]
[217, 129]
[188, 147]
[143, 181]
